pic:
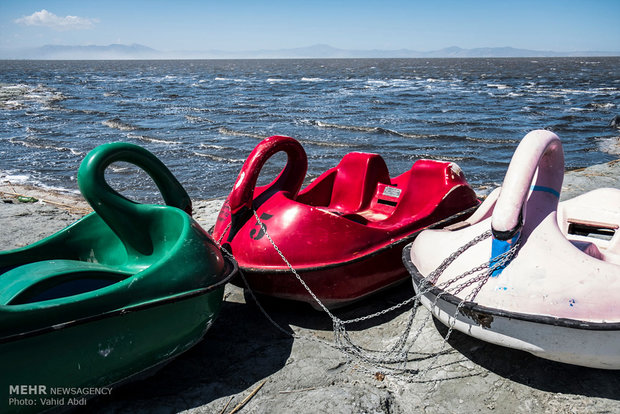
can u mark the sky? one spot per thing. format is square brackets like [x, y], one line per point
[245, 25]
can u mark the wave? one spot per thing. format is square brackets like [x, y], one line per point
[610, 145]
[196, 109]
[371, 83]
[493, 140]
[146, 138]
[116, 123]
[19, 96]
[451, 158]
[386, 131]
[9, 177]
[120, 168]
[87, 112]
[328, 144]
[594, 91]
[197, 119]
[31, 144]
[371, 129]
[595, 105]
[219, 78]
[415, 84]
[226, 131]
[218, 158]
[497, 86]
[216, 147]
[279, 80]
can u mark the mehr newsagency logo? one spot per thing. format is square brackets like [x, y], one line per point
[44, 396]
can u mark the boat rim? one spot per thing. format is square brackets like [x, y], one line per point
[231, 267]
[405, 239]
[478, 312]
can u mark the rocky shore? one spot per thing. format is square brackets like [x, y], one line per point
[245, 359]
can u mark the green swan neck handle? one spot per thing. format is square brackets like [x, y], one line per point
[128, 219]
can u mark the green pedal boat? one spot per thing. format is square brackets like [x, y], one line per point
[120, 292]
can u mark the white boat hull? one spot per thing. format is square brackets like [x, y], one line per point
[595, 345]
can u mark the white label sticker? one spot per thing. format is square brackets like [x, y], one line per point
[392, 192]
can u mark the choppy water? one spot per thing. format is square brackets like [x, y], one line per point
[202, 118]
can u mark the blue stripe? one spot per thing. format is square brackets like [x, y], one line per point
[545, 189]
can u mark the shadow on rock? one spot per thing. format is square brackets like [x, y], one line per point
[240, 349]
[287, 312]
[527, 369]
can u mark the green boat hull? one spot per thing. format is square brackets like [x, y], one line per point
[119, 292]
[85, 359]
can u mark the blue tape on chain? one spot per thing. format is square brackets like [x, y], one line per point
[499, 247]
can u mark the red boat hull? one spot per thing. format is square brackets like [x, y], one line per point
[339, 284]
[343, 233]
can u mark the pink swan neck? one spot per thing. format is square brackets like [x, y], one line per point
[538, 163]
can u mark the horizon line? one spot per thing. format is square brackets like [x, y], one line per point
[117, 51]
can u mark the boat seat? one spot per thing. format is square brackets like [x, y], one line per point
[53, 279]
[425, 189]
[356, 180]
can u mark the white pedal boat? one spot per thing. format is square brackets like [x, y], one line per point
[559, 297]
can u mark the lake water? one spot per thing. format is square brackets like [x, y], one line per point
[202, 118]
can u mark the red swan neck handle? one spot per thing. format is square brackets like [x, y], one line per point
[290, 178]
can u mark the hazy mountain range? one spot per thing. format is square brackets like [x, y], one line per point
[135, 51]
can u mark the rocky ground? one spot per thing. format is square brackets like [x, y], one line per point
[300, 371]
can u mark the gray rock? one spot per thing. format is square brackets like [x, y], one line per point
[306, 374]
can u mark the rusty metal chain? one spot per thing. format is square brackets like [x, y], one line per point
[399, 352]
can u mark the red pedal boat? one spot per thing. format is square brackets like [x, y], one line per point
[343, 233]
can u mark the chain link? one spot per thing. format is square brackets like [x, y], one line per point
[219, 241]
[292, 269]
[499, 262]
[395, 359]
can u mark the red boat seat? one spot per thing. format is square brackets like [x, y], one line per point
[356, 179]
[427, 185]
[359, 189]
